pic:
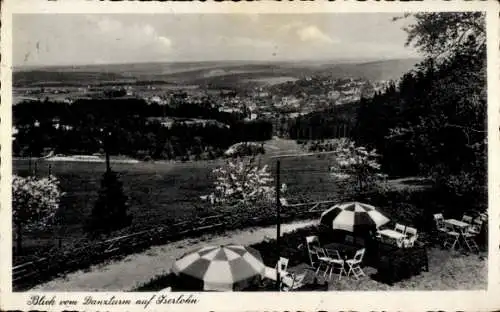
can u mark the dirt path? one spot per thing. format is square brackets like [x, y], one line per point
[136, 269]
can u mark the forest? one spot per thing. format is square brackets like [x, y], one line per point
[127, 126]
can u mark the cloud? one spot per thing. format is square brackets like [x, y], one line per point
[165, 41]
[129, 36]
[306, 33]
[313, 34]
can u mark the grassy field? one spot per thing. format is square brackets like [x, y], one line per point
[160, 192]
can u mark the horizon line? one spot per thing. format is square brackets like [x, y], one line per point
[338, 60]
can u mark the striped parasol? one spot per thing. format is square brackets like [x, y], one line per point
[220, 268]
[353, 217]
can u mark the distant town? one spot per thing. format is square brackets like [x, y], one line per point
[272, 99]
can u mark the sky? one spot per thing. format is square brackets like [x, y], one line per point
[78, 39]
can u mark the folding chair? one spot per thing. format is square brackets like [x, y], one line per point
[483, 216]
[410, 242]
[469, 240]
[293, 281]
[476, 226]
[399, 228]
[324, 261]
[281, 265]
[452, 237]
[467, 219]
[440, 225]
[312, 242]
[410, 231]
[336, 263]
[355, 264]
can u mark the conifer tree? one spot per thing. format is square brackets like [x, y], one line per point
[110, 210]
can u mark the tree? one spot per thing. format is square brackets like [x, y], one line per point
[110, 210]
[356, 162]
[35, 202]
[242, 182]
[444, 126]
[444, 34]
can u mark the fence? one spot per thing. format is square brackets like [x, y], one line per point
[34, 272]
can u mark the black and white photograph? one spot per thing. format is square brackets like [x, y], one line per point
[249, 152]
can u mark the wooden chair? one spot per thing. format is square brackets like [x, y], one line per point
[355, 264]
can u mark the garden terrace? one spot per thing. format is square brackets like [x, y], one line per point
[419, 268]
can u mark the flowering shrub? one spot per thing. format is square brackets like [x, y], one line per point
[242, 182]
[35, 202]
[356, 162]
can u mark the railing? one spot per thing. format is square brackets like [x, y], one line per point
[34, 272]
